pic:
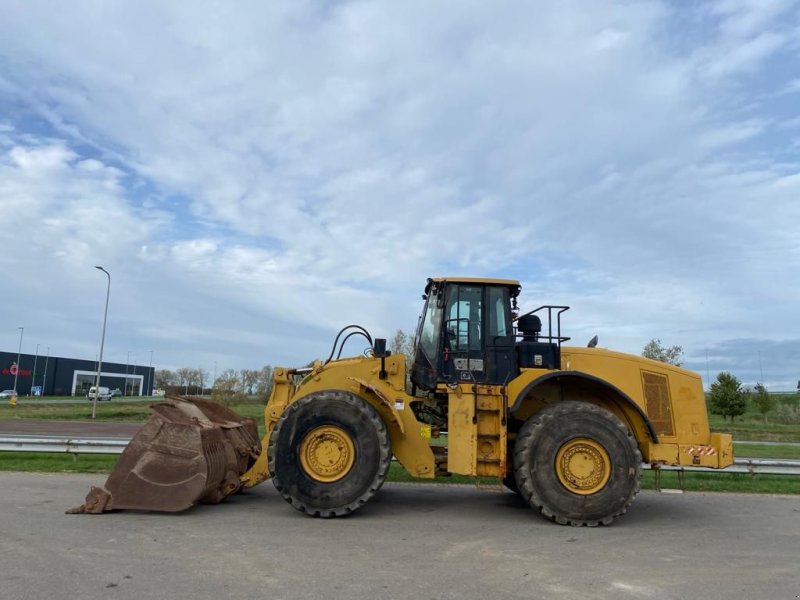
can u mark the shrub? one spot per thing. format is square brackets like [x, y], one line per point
[785, 413]
[726, 397]
[763, 402]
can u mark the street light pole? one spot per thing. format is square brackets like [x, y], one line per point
[127, 367]
[147, 385]
[35, 360]
[44, 377]
[19, 353]
[102, 343]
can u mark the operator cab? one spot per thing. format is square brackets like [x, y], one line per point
[466, 334]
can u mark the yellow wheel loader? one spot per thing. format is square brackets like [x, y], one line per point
[489, 393]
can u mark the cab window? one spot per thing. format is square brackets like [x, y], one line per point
[499, 317]
[464, 312]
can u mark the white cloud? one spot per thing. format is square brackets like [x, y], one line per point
[259, 176]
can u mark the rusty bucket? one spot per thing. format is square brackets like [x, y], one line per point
[191, 450]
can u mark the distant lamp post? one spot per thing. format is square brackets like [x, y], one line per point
[102, 343]
[19, 354]
[147, 385]
[127, 368]
[35, 360]
[44, 376]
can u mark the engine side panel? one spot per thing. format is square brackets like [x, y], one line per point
[663, 405]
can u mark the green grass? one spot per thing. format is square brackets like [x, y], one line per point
[51, 462]
[726, 482]
[743, 449]
[752, 427]
[117, 411]
[102, 464]
[694, 482]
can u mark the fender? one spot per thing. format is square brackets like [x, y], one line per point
[626, 399]
[387, 404]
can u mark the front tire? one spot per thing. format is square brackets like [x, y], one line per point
[577, 464]
[329, 453]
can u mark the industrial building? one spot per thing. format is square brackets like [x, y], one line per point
[58, 376]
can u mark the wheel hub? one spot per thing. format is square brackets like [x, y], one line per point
[327, 453]
[583, 466]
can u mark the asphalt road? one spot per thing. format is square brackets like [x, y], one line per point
[411, 541]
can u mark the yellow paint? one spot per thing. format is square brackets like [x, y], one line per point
[461, 438]
[583, 466]
[671, 397]
[477, 280]
[327, 453]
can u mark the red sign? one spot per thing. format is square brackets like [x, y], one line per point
[14, 370]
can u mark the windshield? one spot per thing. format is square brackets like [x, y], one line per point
[430, 327]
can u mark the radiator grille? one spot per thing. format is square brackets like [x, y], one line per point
[657, 399]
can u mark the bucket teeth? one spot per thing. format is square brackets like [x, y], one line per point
[191, 450]
[97, 501]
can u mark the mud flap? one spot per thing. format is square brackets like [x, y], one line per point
[191, 450]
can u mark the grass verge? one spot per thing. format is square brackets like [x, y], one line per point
[695, 482]
[743, 449]
[43, 462]
[114, 411]
[752, 428]
[51, 462]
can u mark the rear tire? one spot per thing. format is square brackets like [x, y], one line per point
[329, 453]
[511, 484]
[577, 464]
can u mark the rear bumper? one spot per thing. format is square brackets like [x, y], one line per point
[716, 454]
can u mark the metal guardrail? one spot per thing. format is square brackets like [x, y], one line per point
[69, 445]
[763, 466]
[107, 445]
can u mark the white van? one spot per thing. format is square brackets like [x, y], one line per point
[105, 393]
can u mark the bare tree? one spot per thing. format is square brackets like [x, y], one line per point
[264, 381]
[228, 381]
[227, 387]
[164, 378]
[184, 378]
[197, 379]
[202, 379]
[249, 380]
[402, 343]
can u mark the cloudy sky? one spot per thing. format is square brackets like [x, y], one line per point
[256, 175]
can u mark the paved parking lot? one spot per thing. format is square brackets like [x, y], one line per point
[411, 541]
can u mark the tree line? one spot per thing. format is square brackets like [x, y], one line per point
[189, 381]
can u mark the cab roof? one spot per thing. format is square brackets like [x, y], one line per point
[510, 283]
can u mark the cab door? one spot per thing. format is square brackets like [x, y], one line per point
[463, 358]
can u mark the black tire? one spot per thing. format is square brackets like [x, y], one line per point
[511, 483]
[590, 496]
[367, 455]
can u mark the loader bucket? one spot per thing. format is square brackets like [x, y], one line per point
[191, 450]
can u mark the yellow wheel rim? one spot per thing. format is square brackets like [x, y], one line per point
[583, 466]
[327, 453]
